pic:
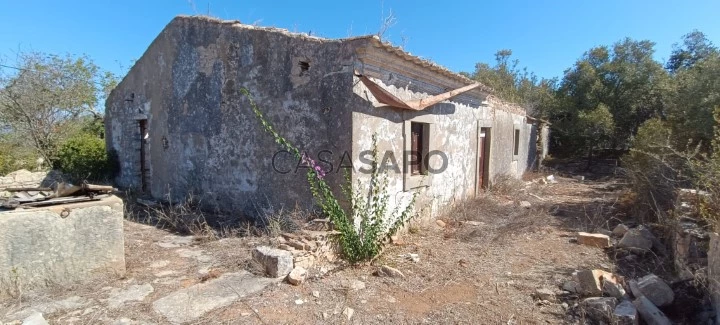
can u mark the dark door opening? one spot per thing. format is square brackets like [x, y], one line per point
[143, 133]
[483, 158]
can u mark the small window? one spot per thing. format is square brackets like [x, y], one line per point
[419, 148]
[304, 67]
[516, 142]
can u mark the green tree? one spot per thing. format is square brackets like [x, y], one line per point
[625, 78]
[695, 47]
[46, 95]
[595, 127]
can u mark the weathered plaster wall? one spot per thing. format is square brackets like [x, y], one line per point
[454, 130]
[39, 247]
[203, 137]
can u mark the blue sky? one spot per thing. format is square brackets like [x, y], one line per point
[546, 36]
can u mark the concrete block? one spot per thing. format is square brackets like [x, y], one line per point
[277, 262]
[39, 246]
[595, 240]
[590, 282]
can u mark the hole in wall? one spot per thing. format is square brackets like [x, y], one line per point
[304, 67]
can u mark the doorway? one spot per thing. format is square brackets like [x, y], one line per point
[483, 158]
[143, 135]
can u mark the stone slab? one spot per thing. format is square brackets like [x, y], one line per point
[189, 304]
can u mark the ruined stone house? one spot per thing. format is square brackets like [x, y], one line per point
[179, 123]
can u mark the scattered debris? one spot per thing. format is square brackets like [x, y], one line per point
[299, 302]
[551, 179]
[276, 262]
[316, 294]
[411, 256]
[595, 240]
[440, 223]
[579, 178]
[525, 204]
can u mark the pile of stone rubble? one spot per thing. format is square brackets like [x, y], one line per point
[297, 253]
[608, 297]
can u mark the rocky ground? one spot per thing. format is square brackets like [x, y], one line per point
[503, 258]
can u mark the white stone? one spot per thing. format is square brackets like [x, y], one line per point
[349, 312]
[35, 319]
[525, 204]
[277, 262]
[353, 284]
[297, 276]
[391, 272]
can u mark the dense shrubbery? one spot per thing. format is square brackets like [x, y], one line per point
[84, 157]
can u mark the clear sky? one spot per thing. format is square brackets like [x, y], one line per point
[546, 36]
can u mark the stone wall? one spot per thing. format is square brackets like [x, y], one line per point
[61, 244]
[203, 137]
[25, 178]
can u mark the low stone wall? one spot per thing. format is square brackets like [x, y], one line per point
[25, 178]
[61, 244]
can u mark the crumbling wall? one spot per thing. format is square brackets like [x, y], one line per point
[454, 127]
[203, 137]
[25, 178]
[61, 244]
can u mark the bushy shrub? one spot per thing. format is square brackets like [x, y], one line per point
[369, 223]
[84, 157]
[656, 169]
[707, 179]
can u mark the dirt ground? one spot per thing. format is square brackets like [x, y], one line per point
[479, 272]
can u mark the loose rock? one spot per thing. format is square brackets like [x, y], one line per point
[297, 276]
[656, 290]
[633, 239]
[620, 230]
[612, 289]
[390, 272]
[353, 284]
[650, 313]
[595, 240]
[525, 204]
[277, 262]
[348, 312]
[599, 308]
[625, 314]
[545, 294]
[591, 281]
[440, 223]
[35, 319]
